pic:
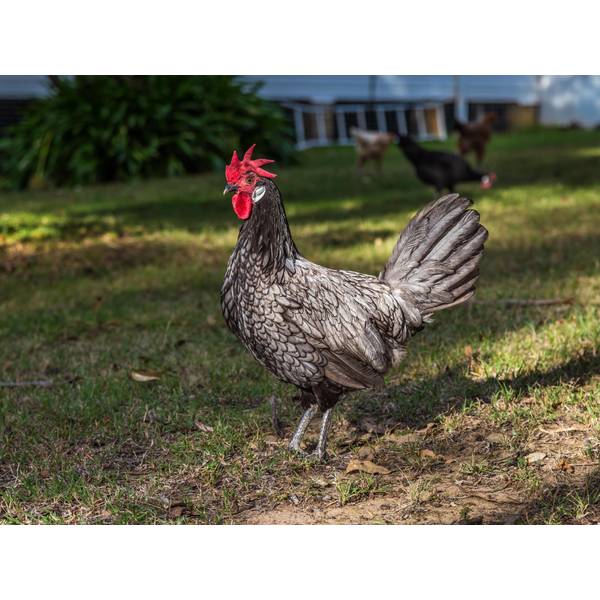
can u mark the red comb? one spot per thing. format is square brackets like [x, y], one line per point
[237, 167]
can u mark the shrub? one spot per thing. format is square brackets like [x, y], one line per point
[109, 128]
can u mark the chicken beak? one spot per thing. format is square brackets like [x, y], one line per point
[230, 188]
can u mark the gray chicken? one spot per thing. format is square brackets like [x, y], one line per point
[330, 332]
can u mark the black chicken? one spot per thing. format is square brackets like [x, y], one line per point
[442, 170]
[330, 332]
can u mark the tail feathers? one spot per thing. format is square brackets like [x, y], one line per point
[435, 263]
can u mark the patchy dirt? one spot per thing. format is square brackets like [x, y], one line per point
[477, 476]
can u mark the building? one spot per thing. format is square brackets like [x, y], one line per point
[323, 108]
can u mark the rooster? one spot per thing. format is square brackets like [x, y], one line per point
[442, 170]
[475, 136]
[371, 145]
[330, 332]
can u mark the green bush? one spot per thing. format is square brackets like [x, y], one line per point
[110, 128]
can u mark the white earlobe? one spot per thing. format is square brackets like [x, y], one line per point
[258, 193]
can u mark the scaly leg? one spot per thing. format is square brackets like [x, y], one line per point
[307, 417]
[321, 449]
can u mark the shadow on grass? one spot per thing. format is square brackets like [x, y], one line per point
[566, 503]
[573, 498]
[415, 408]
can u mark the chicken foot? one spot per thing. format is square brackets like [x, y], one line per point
[321, 449]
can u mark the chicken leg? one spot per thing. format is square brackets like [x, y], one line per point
[321, 449]
[305, 420]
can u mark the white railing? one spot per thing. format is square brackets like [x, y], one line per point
[322, 135]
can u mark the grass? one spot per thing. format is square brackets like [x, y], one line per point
[101, 282]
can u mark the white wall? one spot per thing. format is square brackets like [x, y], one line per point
[570, 99]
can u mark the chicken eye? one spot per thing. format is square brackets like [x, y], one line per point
[249, 179]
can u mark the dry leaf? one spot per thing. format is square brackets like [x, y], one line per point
[143, 376]
[177, 510]
[366, 453]
[564, 429]
[272, 440]
[535, 457]
[406, 438]
[469, 351]
[203, 427]
[320, 482]
[563, 465]
[427, 453]
[427, 428]
[366, 466]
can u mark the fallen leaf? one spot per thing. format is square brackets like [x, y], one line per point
[320, 482]
[427, 453]
[366, 466]
[564, 429]
[406, 438]
[427, 428]
[535, 457]
[366, 453]
[272, 440]
[469, 351]
[203, 427]
[563, 465]
[177, 510]
[143, 376]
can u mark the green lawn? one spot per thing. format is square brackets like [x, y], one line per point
[493, 417]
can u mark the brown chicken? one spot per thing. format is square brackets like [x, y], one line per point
[371, 145]
[474, 137]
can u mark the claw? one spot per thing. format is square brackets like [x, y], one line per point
[318, 456]
[320, 452]
[296, 449]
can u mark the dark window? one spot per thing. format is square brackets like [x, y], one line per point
[391, 121]
[351, 121]
[371, 120]
[411, 122]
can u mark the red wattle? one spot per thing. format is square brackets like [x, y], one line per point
[242, 205]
